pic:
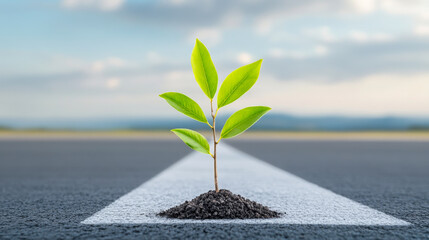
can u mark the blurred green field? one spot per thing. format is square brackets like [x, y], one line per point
[258, 135]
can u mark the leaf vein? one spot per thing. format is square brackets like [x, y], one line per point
[241, 122]
[205, 75]
[235, 88]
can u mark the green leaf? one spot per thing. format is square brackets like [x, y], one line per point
[241, 120]
[204, 69]
[185, 105]
[237, 83]
[193, 139]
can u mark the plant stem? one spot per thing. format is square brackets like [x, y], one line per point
[214, 145]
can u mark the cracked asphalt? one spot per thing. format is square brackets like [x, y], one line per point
[47, 187]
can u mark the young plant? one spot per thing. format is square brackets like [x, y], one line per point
[233, 87]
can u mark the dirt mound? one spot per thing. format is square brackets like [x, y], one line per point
[221, 205]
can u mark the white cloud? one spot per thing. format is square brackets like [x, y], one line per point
[244, 58]
[115, 62]
[323, 33]
[102, 65]
[364, 6]
[276, 52]
[231, 19]
[321, 50]
[382, 37]
[264, 25]
[177, 76]
[364, 37]
[98, 74]
[103, 5]
[374, 95]
[281, 53]
[178, 80]
[113, 83]
[154, 57]
[359, 36]
[318, 50]
[177, 2]
[97, 67]
[421, 30]
[415, 8]
[209, 36]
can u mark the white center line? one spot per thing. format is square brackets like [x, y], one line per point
[301, 201]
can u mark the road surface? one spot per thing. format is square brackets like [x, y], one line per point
[48, 187]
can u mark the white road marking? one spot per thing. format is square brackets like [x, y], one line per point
[301, 201]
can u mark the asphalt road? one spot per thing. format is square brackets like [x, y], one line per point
[48, 187]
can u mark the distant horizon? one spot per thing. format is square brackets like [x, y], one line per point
[272, 121]
[174, 115]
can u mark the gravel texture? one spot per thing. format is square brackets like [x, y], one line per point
[221, 205]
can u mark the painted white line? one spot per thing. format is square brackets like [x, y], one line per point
[301, 201]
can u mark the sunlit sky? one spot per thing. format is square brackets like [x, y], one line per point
[112, 58]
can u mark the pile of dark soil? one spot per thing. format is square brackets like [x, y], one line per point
[221, 205]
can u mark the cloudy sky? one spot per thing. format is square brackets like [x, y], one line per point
[112, 58]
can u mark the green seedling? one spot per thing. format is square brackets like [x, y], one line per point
[233, 87]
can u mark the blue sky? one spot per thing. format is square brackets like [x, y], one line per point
[112, 58]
